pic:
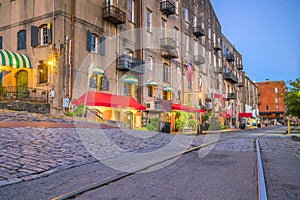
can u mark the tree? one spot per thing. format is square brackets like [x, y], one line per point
[292, 99]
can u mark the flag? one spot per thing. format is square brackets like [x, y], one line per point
[190, 72]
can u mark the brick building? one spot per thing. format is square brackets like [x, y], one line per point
[271, 99]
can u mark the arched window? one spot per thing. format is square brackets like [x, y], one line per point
[166, 73]
[21, 40]
[42, 74]
[150, 63]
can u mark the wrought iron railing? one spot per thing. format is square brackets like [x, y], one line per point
[21, 93]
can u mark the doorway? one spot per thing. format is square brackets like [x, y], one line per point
[22, 84]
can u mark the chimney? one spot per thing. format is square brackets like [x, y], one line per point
[267, 80]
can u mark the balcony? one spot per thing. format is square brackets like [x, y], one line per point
[129, 63]
[218, 70]
[198, 31]
[167, 7]
[230, 77]
[240, 84]
[240, 67]
[168, 48]
[231, 96]
[230, 57]
[217, 46]
[198, 59]
[114, 15]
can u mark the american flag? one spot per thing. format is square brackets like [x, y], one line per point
[190, 72]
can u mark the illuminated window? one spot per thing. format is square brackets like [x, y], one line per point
[42, 74]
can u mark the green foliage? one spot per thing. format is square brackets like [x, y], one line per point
[153, 126]
[179, 124]
[292, 99]
[2, 91]
[193, 124]
[78, 111]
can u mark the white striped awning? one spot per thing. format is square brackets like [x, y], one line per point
[10, 60]
[98, 70]
[131, 80]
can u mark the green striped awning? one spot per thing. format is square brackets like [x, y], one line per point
[151, 83]
[168, 89]
[10, 60]
[131, 80]
[98, 70]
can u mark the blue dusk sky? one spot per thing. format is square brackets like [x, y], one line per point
[266, 33]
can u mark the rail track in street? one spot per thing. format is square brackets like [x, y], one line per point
[261, 186]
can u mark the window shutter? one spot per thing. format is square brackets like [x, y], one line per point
[49, 32]
[0, 42]
[89, 41]
[102, 45]
[34, 36]
[23, 39]
[105, 84]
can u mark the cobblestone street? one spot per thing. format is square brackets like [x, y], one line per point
[28, 153]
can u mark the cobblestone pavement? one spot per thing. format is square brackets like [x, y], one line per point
[30, 152]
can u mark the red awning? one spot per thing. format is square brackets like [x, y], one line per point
[248, 115]
[186, 108]
[108, 100]
[223, 114]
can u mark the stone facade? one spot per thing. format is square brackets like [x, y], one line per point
[158, 52]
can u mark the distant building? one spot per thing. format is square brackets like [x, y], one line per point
[271, 99]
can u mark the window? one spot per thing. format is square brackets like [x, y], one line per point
[187, 43]
[276, 90]
[276, 100]
[42, 74]
[21, 40]
[149, 19]
[0, 42]
[130, 12]
[167, 95]
[127, 89]
[166, 73]
[176, 30]
[44, 35]
[209, 33]
[176, 7]
[150, 91]
[93, 41]
[98, 82]
[277, 107]
[150, 63]
[163, 28]
[195, 47]
[186, 14]
[178, 73]
[194, 21]
[267, 107]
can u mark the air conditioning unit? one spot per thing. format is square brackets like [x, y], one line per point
[150, 106]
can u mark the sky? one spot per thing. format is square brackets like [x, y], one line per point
[266, 33]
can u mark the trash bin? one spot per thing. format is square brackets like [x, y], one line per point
[167, 127]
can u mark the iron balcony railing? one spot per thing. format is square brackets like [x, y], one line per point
[229, 76]
[218, 70]
[168, 47]
[240, 84]
[240, 67]
[167, 7]
[230, 57]
[114, 15]
[231, 95]
[217, 46]
[129, 63]
[22, 93]
[198, 31]
[199, 59]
